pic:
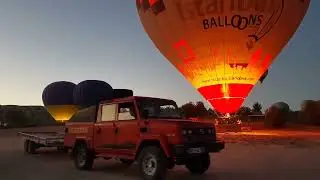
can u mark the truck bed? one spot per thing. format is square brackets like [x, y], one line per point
[46, 139]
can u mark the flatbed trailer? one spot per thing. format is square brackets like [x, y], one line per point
[36, 140]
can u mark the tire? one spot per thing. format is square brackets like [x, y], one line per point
[32, 146]
[26, 146]
[62, 149]
[170, 164]
[126, 161]
[198, 165]
[156, 159]
[83, 157]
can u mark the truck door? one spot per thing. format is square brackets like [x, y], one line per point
[104, 136]
[127, 130]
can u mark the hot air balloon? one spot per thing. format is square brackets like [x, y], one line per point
[57, 97]
[222, 47]
[90, 92]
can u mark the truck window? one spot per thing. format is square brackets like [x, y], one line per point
[108, 112]
[160, 108]
[126, 111]
[85, 115]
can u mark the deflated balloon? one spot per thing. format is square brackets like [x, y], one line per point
[57, 97]
[222, 47]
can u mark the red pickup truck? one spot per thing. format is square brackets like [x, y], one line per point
[150, 131]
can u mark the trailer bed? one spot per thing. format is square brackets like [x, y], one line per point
[35, 140]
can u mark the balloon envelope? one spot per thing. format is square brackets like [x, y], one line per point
[57, 97]
[91, 92]
[222, 47]
[122, 93]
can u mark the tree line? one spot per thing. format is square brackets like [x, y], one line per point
[198, 110]
[276, 115]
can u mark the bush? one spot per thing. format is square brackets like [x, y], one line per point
[24, 116]
[276, 116]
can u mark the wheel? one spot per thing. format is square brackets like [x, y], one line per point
[62, 149]
[26, 146]
[153, 163]
[170, 164]
[32, 146]
[198, 165]
[127, 161]
[83, 157]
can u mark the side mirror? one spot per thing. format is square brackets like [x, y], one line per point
[145, 114]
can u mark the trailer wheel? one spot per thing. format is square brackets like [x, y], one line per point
[83, 157]
[26, 146]
[32, 147]
[62, 149]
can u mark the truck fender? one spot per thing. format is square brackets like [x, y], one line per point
[81, 140]
[154, 140]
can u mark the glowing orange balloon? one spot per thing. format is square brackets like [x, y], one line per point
[222, 47]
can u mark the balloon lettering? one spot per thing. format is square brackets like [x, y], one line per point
[190, 10]
[236, 21]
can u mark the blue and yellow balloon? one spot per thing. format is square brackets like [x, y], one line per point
[57, 97]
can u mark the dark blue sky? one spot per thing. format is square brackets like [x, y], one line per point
[49, 40]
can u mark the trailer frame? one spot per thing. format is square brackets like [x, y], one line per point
[36, 140]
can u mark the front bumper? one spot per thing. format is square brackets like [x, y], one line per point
[180, 152]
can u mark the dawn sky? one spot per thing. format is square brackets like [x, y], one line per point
[42, 41]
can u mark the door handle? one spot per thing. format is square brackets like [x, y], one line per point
[116, 130]
[98, 130]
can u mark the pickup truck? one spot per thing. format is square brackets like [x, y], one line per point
[149, 131]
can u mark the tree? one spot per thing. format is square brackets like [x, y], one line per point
[277, 114]
[189, 110]
[194, 110]
[200, 109]
[256, 107]
[244, 111]
[309, 110]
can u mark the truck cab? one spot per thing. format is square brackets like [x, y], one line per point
[149, 131]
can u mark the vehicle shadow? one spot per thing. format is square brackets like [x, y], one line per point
[132, 172]
[118, 169]
[50, 154]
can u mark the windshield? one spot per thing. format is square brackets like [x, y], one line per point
[159, 108]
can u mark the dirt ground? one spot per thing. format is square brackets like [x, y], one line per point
[247, 156]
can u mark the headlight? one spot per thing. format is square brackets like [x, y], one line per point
[189, 131]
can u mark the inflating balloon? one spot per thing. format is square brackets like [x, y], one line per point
[223, 47]
[122, 93]
[57, 97]
[90, 92]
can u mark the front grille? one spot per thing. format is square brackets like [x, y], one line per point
[194, 135]
[198, 139]
[199, 131]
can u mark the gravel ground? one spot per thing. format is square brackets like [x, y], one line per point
[247, 156]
